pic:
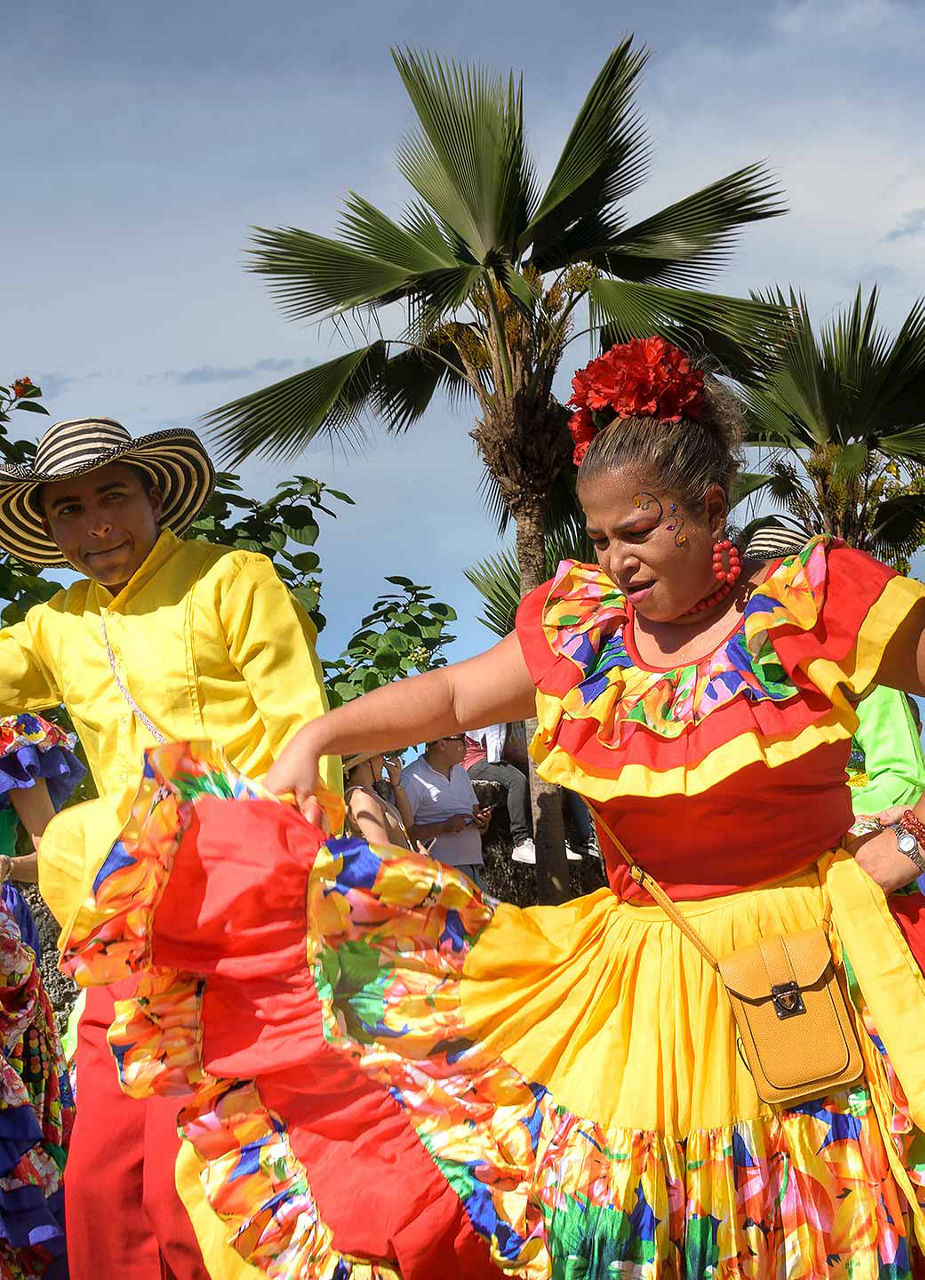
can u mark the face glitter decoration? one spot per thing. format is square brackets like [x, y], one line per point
[645, 501]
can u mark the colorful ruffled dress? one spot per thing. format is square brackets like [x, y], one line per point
[31, 749]
[383, 1072]
[36, 1108]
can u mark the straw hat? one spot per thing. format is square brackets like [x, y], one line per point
[351, 762]
[774, 542]
[175, 460]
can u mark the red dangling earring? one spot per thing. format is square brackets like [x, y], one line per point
[727, 577]
[731, 575]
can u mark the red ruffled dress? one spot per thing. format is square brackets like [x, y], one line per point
[382, 1072]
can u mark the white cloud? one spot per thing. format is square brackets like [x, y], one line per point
[823, 20]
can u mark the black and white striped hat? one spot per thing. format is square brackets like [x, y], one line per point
[773, 542]
[175, 460]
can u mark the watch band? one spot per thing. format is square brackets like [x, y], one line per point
[914, 855]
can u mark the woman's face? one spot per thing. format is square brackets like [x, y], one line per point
[658, 553]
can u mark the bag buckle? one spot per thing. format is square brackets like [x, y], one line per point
[788, 1002]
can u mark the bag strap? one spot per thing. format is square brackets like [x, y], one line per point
[656, 892]
[148, 723]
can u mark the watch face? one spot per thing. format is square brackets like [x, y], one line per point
[906, 843]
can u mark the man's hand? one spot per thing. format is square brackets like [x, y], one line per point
[455, 824]
[481, 817]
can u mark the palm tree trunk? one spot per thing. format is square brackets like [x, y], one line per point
[552, 880]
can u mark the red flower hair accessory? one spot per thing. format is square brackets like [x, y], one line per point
[644, 378]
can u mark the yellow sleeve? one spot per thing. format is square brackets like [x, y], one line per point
[271, 641]
[26, 680]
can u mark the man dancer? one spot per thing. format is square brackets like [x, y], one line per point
[161, 639]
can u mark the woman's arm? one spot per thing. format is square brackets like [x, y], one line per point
[24, 870]
[33, 807]
[399, 794]
[35, 810]
[369, 817]
[495, 686]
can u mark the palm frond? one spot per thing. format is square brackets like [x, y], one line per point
[468, 159]
[735, 331]
[908, 443]
[690, 240]
[746, 484]
[604, 159]
[851, 385]
[899, 526]
[280, 420]
[409, 380]
[564, 516]
[497, 577]
[418, 246]
[310, 274]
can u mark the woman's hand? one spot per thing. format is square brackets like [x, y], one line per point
[393, 770]
[295, 773]
[883, 862]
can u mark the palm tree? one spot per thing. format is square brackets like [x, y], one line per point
[480, 281]
[497, 577]
[842, 416]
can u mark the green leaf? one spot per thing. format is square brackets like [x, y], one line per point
[29, 406]
[410, 379]
[343, 497]
[306, 561]
[851, 461]
[497, 577]
[398, 581]
[310, 275]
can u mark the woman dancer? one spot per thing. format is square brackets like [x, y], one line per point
[38, 770]
[573, 1074]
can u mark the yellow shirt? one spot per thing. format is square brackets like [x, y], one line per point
[210, 644]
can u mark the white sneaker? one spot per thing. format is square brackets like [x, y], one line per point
[573, 855]
[524, 852]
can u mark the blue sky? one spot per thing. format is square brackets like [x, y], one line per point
[141, 142]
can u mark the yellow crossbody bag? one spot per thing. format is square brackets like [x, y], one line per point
[788, 994]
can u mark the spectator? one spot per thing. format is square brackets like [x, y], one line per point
[485, 761]
[886, 767]
[493, 754]
[369, 814]
[445, 809]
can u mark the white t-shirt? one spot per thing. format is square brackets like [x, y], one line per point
[434, 798]
[493, 738]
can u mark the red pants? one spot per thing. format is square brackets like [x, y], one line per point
[125, 1220]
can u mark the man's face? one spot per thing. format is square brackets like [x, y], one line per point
[454, 748]
[104, 523]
